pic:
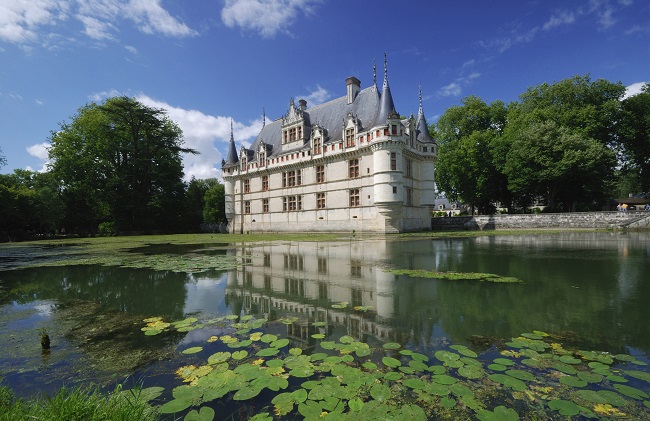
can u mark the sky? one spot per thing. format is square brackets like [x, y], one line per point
[210, 63]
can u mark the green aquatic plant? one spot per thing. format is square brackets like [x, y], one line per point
[345, 378]
[455, 276]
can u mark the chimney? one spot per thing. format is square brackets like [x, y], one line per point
[303, 104]
[353, 86]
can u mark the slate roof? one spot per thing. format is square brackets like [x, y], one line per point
[329, 116]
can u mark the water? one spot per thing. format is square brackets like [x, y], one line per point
[591, 288]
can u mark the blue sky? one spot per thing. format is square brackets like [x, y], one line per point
[209, 61]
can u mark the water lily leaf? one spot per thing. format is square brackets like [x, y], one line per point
[454, 364]
[393, 376]
[612, 398]
[564, 407]
[463, 350]
[521, 375]
[497, 367]
[205, 414]
[328, 345]
[406, 369]
[301, 372]
[319, 324]
[391, 345]
[280, 343]
[345, 339]
[631, 392]
[461, 390]
[641, 375]
[446, 356]
[414, 383]
[437, 369]
[443, 379]
[572, 381]
[310, 409]
[507, 381]
[380, 392]
[590, 377]
[530, 362]
[267, 352]
[246, 393]
[616, 378]
[471, 372]
[262, 417]
[175, 405]
[504, 361]
[500, 413]
[369, 365]
[355, 404]
[391, 362]
[418, 365]
[219, 357]
[318, 336]
[153, 332]
[568, 359]
[565, 368]
[268, 338]
[149, 393]
[193, 350]
[295, 351]
[239, 355]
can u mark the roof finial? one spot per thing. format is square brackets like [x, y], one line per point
[385, 68]
[420, 97]
[232, 137]
[263, 117]
[374, 72]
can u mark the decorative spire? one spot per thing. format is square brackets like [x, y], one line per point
[421, 126]
[263, 117]
[232, 158]
[386, 105]
[374, 72]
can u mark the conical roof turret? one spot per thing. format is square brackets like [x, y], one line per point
[422, 128]
[386, 105]
[232, 158]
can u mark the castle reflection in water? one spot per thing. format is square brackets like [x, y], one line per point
[305, 281]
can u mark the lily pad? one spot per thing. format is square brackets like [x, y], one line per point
[500, 413]
[391, 345]
[175, 405]
[204, 414]
[631, 392]
[391, 362]
[572, 381]
[193, 350]
[566, 408]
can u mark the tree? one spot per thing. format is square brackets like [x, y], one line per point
[196, 199]
[468, 160]
[214, 210]
[635, 137]
[3, 159]
[120, 162]
[566, 168]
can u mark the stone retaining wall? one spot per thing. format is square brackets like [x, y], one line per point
[598, 220]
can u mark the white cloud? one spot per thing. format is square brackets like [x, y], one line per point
[39, 102]
[39, 150]
[453, 89]
[23, 22]
[131, 49]
[563, 17]
[268, 17]
[201, 132]
[634, 89]
[317, 96]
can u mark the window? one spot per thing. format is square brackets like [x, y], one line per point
[292, 203]
[289, 178]
[247, 206]
[320, 173]
[318, 145]
[298, 177]
[409, 197]
[322, 265]
[394, 129]
[393, 161]
[247, 186]
[394, 190]
[322, 291]
[293, 262]
[357, 297]
[265, 182]
[243, 162]
[267, 283]
[409, 168]
[349, 137]
[293, 134]
[265, 205]
[267, 260]
[354, 198]
[262, 158]
[353, 168]
[320, 200]
[355, 268]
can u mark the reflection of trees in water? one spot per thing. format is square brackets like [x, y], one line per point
[140, 291]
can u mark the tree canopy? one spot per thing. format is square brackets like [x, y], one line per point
[120, 163]
[557, 144]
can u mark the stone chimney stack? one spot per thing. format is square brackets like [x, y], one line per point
[353, 88]
[303, 104]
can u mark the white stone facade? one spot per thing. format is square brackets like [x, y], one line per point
[347, 165]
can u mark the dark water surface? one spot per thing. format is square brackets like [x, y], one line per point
[591, 288]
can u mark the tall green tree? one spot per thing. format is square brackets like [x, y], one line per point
[567, 169]
[214, 209]
[120, 162]
[196, 200]
[635, 138]
[468, 155]
[3, 159]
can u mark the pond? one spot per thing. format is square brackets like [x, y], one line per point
[561, 306]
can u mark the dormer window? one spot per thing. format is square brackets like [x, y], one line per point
[318, 145]
[261, 156]
[349, 137]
